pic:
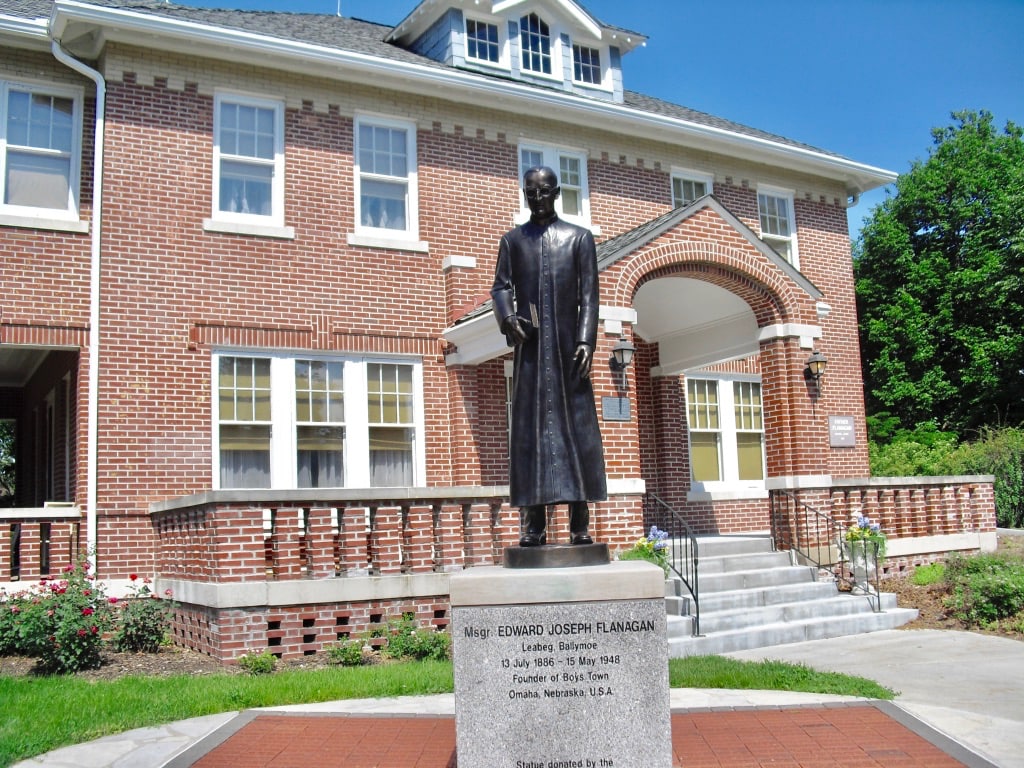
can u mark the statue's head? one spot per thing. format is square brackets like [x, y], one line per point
[540, 186]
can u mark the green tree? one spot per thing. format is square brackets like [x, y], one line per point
[939, 273]
[6, 463]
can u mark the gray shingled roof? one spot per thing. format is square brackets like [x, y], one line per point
[356, 35]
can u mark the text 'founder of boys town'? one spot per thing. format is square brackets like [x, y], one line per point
[546, 301]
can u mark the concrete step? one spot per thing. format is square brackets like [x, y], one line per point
[783, 633]
[836, 606]
[746, 561]
[717, 546]
[737, 599]
[756, 579]
[753, 597]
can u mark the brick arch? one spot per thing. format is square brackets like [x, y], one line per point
[771, 297]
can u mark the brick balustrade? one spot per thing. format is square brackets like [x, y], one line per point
[923, 518]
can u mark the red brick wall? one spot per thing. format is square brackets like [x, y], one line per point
[171, 290]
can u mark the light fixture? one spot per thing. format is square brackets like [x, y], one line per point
[816, 367]
[622, 354]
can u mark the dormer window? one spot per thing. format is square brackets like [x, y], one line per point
[586, 65]
[535, 39]
[482, 43]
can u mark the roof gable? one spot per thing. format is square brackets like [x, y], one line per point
[617, 248]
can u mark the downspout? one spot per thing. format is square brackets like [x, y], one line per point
[92, 435]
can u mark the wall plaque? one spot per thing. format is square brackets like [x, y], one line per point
[841, 432]
[615, 408]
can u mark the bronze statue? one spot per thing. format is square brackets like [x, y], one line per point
[546, 302]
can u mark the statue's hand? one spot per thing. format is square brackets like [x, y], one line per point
[582, 360]
[512, 328]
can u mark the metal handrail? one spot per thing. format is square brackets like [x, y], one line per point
[811, 533]
[683, 552]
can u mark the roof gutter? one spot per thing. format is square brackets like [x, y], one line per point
[412, 77]
[92, 435]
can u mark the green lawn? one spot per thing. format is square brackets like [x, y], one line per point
[40, 714]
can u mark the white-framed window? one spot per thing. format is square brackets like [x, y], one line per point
[571, 166]
[385, 177]
[586, 65]
[688, 186]
[485, 41]
[726, 431]
[536, 47]
[287, 421]
[40, 150]
[248, 160]
[778, 226]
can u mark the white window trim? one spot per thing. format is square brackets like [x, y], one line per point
[688, 174]
[557, 49]
[378, 236]
[727, 429]
[790, 196]
[284, 427]
[551, 154]
[250, 223]
[45, 218]
[606, 67]
[504, 55]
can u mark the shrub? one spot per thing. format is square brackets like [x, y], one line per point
[144, 619]
[258, 663]
[924, 450]
[10, 611]
[927, 451]
[1000, 453]
[408, 641]
[62, 622]
[347, 654]
[985, 588]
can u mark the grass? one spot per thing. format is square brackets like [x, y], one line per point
[45, 713]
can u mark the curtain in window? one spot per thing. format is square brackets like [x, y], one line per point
[321, 457]
[390, 457]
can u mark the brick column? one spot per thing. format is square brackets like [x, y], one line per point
[321, 542]
[355, 559]
[385, 540]
[288, 532]
[479, 546]
[506, 530]
[237, 545]
[418, 540]
[449, 538]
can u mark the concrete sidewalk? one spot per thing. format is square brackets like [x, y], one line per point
[966, 686]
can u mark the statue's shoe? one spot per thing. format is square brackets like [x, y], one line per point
[533, 539]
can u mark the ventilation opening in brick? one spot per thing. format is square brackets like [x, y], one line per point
[273, 641]
[376, 618]
[341, 621]
[308, 653]
[309, 639]
[272, 625]
[440, 613]
[343, 636]
[307, 623]
[277, 655]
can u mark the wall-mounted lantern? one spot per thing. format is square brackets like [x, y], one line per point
[622, 354]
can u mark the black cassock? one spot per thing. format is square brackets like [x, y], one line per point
[547, 275]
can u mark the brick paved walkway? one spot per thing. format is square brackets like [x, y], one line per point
[850, 736]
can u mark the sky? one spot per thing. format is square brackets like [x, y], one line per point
[867, 79]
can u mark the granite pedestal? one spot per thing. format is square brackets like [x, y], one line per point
[561, 667]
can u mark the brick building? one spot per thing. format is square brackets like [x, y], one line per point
[244, 322]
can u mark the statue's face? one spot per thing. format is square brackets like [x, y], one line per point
[541, 190]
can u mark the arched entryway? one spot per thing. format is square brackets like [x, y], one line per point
[723, 326]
